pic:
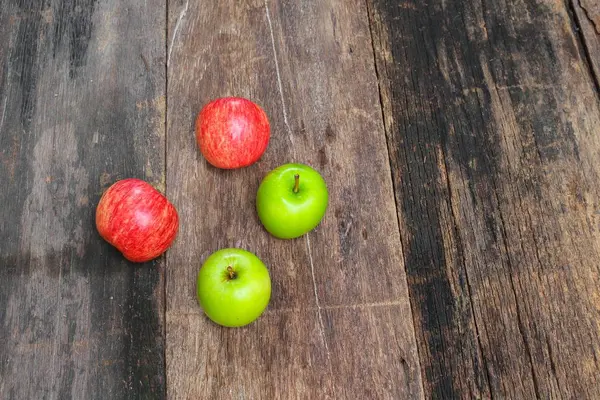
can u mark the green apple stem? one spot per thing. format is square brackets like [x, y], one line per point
[232, 274]
[296, 183]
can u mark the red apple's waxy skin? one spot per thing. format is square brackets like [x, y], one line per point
[232, 132]
[137, 219]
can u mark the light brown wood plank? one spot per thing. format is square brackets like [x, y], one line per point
[286, 347]
[492, 119]
[81, 105]
[310, 66]
[274, 358]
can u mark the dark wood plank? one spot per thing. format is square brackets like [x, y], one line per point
[492, 122]
[587, 14]
[81, 105]
[339, 322]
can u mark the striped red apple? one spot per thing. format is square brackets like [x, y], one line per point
[137, 219]
[232, 132]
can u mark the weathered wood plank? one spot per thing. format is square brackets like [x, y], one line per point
[339, 322]
[81, 105]
[492, 122]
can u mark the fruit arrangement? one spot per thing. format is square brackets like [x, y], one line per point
[233, 285]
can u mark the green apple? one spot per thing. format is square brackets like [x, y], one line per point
[234, 287]
[291, 200]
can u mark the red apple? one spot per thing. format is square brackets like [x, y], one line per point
[137, 219]
[232, 132]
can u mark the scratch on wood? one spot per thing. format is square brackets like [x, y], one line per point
[359, 306]
[183, 12]
[319, 313]
[289, 130]
[8, 71]
[344, 235]
[285, 119]
[522, 87]
[298, 310]
[3, 112]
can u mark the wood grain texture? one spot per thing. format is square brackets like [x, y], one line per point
[339, 322]
[492, 120]
[81, 105]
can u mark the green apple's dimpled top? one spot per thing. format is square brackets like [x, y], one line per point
[236, 301]
[287, 214]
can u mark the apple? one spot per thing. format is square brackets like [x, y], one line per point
[232, 132]
[234, 287]
[291, 200]
[136, 219]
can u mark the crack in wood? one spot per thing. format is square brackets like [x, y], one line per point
[582, 41]
[595, 19]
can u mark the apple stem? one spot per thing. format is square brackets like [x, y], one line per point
[296, 183]
[232, 274]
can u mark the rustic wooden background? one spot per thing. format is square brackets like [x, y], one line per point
[460, 255]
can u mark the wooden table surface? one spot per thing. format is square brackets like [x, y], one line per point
[460, 254]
